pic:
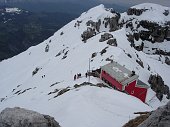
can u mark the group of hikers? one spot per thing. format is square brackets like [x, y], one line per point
[77, 76]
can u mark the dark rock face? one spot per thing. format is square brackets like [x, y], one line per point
[153, 33]
[88, 34]
[93, 27]
[157, 85]
[112, 42]
[167, 60]
[140, 63]
[136, 36]
[158, 118]
[19, 117]
[168, 34]
[103, 51]
[134, 11]
[166, 13]
[130, 38]
[112, 22]
[105, 37]
[62, 91]
[139, 47]
[94, 55]
[47, 48]
[161, 52]
[35, 71]
[158, 33]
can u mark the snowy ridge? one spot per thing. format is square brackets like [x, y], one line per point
[96, 13]
[62, 56]
[153, 13]
[150, 6]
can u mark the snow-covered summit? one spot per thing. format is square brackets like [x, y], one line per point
[96, 13]
[150, 12]
[41, 78]
[150, 6]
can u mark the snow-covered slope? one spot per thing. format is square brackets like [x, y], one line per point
[149, 22]
[151, 12]
[55, 62]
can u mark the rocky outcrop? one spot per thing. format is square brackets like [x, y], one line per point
[130, 38]
[95, 25]
[94, 55]
[158, 33]
[105, 37]
[137, 121]
[19, 117]
[112, 23]
[134, 11]
[140, 63]
[166, 12]
[88, 34]
[152, 31]
[92, 29]
[157, 85]
[35, 71]
[62, 91]
[158, 118]
[161, 52]
[47, 48]
[167, 60]
[168, 34]
[112, 42]
[103, 51]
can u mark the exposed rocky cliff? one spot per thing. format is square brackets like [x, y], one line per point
[110, 23]
[157, 85]
[154, 31]
[19, 117]
[158, 118]
[142, 30]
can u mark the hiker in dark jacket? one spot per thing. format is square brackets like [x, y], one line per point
[86, 75]
[74, 77]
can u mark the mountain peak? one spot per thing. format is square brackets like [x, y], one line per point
[45, 73]
[101, 6]
[149, 12]
[149, 6]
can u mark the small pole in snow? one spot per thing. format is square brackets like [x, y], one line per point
[89, 70]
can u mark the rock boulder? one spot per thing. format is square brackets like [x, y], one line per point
[19, 117]
[157, 85]
[158, 118]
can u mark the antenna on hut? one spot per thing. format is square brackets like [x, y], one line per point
[89, 71]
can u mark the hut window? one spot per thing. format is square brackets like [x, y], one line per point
[132, 92]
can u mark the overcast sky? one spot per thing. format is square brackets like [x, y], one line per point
[122, 2]
[134, 2]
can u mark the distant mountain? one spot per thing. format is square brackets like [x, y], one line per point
[21, 29]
